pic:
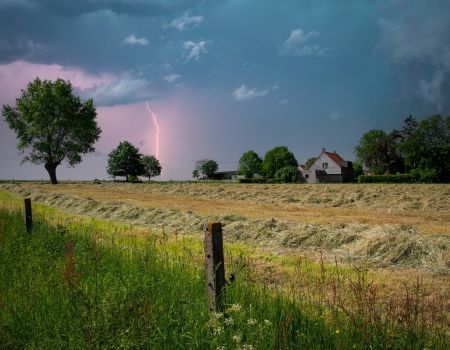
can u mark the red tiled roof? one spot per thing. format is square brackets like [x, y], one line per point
[336, 157]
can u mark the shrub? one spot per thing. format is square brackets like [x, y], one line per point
[134, 179]
[399, 178]
[260, 180]
[287, 174]
[424, 175]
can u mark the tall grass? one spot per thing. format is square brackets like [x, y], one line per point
[78, 288]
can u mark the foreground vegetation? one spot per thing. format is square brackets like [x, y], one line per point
[75, 285]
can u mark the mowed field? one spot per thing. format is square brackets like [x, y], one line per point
[376, 253]
[400, 225]
[424, 207]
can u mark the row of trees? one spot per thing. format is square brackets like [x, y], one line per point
[278, 164]
[421, 149]
[126, 160]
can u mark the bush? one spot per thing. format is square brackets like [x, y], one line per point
[424, 175]
[260, 180]
[399, 178]
[287, 174]
[134, 179]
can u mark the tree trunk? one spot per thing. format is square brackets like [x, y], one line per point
[51, 169]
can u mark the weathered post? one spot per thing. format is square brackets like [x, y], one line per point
[214, 265]
[28, 215]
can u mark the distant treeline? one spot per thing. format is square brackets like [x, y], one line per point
[420, 149]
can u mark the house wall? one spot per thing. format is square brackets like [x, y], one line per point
[333, 168]
[331, 178]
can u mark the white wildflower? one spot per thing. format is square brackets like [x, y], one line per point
[235, 308]
[236, 338]
[267, 323]
[248, 347]
[218, 331]
[251, 321]
[216, 316]
[229, 321]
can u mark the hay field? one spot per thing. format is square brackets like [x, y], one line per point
[388, 225]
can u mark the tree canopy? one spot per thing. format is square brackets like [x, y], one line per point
[52, 125]
[206, 168]
[421, 148]
[152, 167]
[125, 160]
[249, 164]
[379, 152]
[277, 158]
[287, 174]
[426, 148]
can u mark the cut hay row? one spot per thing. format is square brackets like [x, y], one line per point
[382, 246]
[394, 197]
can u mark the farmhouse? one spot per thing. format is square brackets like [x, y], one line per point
[328, 167]
[224, 175]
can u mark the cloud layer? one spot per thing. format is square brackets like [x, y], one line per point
[195, 49]
[243, 92]
[299, 44]
[420, 49]
[133, 40]
[186, 21]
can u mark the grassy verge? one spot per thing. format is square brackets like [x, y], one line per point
[77, 286]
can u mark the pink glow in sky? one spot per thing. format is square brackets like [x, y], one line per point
[15, 76]
[182, 132]
[118, 123]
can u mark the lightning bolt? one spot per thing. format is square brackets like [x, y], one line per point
[155, 121]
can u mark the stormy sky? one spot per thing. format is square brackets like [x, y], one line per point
[224, 77]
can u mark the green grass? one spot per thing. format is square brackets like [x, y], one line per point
[72, 286]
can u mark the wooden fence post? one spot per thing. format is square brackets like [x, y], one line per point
[28, 215]
[214, 265]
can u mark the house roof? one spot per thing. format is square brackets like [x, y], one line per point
[336, 158]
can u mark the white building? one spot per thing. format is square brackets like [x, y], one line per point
[328, 167]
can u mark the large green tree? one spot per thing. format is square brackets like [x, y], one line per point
[125, 160]
[205, 167]
[277, 158]
[152, 167]
[379, 152]
[426, 149]
[52, 125]
[249, 164]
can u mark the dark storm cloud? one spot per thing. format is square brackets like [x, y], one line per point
[19, 47]
[415, 37]
[79, 7]
[80, 32]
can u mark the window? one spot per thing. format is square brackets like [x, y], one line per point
[325, 165]
[306, 176]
